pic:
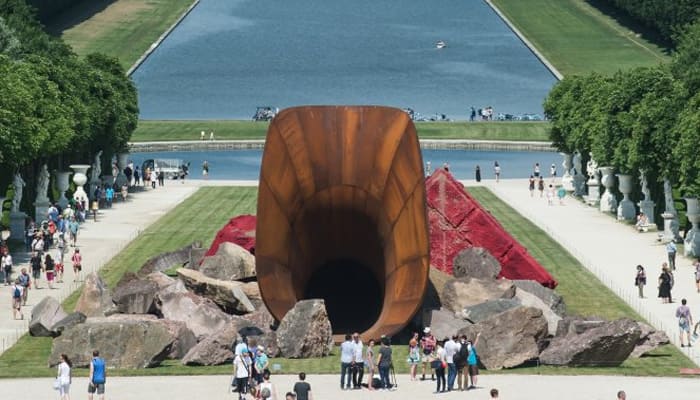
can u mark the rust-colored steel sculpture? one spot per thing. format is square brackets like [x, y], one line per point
[342, 216]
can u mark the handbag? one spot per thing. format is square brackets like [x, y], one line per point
[56, 383]
[436, 364]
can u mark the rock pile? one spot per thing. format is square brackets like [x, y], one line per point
[195, 317]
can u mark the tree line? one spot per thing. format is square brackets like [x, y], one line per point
[640, 119]
[56, 108]
[666, 17]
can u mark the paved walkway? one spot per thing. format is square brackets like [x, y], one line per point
[325, 387]
[98, 242]
[611, 250]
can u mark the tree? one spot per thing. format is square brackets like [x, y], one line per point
[686, 61]
[688, 132]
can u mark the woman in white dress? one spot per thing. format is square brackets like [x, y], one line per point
[64, 377]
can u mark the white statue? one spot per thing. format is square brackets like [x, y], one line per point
[96, 168]
[42, 185]
[592, 169]
[19, 184]
[668, 197]
[577, 163]
[645, 185]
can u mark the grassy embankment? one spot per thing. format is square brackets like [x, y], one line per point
[584, 294]
[233, 129]
[124, 29]
[577, 37]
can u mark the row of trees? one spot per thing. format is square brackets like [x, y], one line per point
[663, 16]
[641, 119]
[56, 108]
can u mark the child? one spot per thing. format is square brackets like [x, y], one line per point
[77, 260]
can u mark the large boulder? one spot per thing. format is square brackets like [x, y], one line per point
[201, 315]
[166, 284]
[239, 230]
[649, 339]
[483, 311]
[95, 298]
[231, 262]
[510, 338]
[444, 323]
[476, 262]
[135, 296]
[576, 324]
[45, 315]
[122, 343]
[165, 261]
[215, 349]
[305, 331]
[530, 300]
[548, 296]
[608, 345]
[229, 295]
[464, 292]
[74, 318]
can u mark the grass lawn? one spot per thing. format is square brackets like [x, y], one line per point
[578, 38]
[151, 130]
[583, 292]
[200, 216]
[124, 29]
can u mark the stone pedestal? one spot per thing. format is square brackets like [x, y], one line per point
[579, 183]
[79, 179]
[647, 207]
[41, 210]
[122, 159]
[626, 210]
[567, 180]
[670, 227]
[62, 184]
[108, 180]
[17, 220]
[608, 202]
[692, 239]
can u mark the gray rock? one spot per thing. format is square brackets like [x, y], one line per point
[649, 339]
[44, 316]
[229, 295]
[196, 257]
[215, 349]
[530, 300]
[201, 315]
[487, 309]
[577, 324]
[476, 262]
[65, 323]
[166, 284]
[135, 296]
[510, 338]
[167, 260]
[123, 344]
[460, 293]
[231, 262]
[608, 345]
[96, 298]
[305, 331]
[444, 323]
[553, 300]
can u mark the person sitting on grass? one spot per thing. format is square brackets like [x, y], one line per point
[642, 224]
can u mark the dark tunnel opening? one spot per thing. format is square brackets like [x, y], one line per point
[352, 294]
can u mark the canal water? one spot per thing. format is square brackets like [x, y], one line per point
[229, 56]
[245, 164]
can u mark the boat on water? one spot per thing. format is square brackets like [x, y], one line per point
[440, 44]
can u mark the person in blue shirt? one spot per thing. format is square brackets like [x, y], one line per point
[98, 376]
[473, 361]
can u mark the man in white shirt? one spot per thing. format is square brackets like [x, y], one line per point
[358, 365]
[347, 355]
[451, 348]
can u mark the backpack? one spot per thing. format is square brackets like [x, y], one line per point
[17, 293]
[462, 354]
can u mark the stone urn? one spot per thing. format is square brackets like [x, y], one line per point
[62, 184]
[593, 183]
[608, 202]
[122, 160]
[692, 239]
[567, 180]
[626, 210]
[108, 180]
[80, 179]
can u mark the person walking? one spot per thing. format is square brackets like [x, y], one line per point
[205, 169]
[369, 361]
[461, 363]
[7, 266]
[553, 171]
[384, 362]
[242, 372]
[427, 345]
[531, 186]
[685, 321]
[550, 195]
[347, 353]
[561, 194]
[671, 252]
[536, 170]
[358, 364]
[451, 349]
[97, 377]
[73, 228]
[302, 389]
[413, 357]
[25, 281]
[49, 267]
[77, 260]
[64, 377]
[696, 264]
[665, 284]
[473, 361]
[37, 268]
[477, 174]
[540, 186]
[438, 364]
[16, 290]
[640, 280]
[497, 171]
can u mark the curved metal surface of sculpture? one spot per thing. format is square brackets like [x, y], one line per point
[342, 216]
